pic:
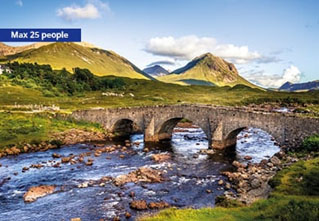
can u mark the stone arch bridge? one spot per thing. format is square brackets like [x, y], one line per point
[221, 124]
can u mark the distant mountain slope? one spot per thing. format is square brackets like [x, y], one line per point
[156, 71]
[312, 85]
[71, 55]
[10, 50]
[207, 68]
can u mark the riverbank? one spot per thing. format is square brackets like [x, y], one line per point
[31, 132]
[294, 195]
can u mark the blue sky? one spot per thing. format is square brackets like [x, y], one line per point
[270, 41]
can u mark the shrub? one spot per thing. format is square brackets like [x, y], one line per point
[222, 201]
[311, 143]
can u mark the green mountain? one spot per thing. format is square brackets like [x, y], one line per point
[70, 55]
[206, 69]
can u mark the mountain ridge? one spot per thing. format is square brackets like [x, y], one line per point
[156, 71]
[70, 55]
[207, 68]
[306, 86]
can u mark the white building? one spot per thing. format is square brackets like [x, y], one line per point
[3, 68]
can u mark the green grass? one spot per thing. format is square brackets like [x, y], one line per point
[152, 93]
[21, 128]
[292, 199]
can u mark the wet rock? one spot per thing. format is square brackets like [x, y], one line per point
[270, 164]
[65, 159]
[195, 156]
[139, 205]
[97, 154]
[162, 157]
[89, 162]
[83, 185]
[122, 156]
[4, 181]
[146, 150]
[56, 165]
[128, 215]
[248, 157]
[158, 205]
[208, 191]
[25, 149]
[37, 166]
[36, 192]
[227, 186]
[142, 174]
[237, 164]
[56, 155]
[220, 182]
[275, 160]
[25, 169]
[132, 194]
[75, 219]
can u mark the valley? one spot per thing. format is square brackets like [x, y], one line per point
[47, 157]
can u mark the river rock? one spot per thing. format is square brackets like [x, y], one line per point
[83, 185]
[275, 160]
[237, 164]
[65, 159]
[142, 174]
[161, 157]
[36, 192]
[158, 205]
[255, 183]
[139, 205]
[128, 215]
[227, 186]
[25, 169]
[75, 219]
[132, 194]
[220, 182]
[56, 155]
[248, 157]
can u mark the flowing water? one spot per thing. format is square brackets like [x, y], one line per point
[189, 176]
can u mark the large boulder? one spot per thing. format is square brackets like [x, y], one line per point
[36, 192]
[142, 174]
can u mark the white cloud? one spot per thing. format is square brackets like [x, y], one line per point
[92, 10]
[188, 47]
[19, 3]
[291, 74]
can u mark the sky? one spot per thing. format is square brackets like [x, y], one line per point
[270, 41]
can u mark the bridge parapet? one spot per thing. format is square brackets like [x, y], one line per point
[221, 124]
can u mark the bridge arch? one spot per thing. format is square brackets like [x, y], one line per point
[166, 127]
[230, 133]
[123, 127]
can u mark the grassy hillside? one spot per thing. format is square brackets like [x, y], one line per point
[71, 55]
[206, 68]
[290, 200]
[143, 92]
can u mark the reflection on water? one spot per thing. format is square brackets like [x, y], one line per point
[189, 175]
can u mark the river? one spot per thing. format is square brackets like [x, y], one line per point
[189, 176]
